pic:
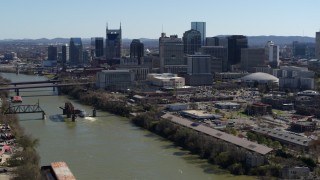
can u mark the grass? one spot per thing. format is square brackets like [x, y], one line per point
[278, 112]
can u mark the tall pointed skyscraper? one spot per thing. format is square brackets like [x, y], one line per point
[113, 43]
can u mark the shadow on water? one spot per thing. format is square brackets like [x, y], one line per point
[213, 169]
[43, 95]
[57, 118]
[33, 119]
[33, 90]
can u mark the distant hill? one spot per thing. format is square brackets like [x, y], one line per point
[279, 40]
[149, 43]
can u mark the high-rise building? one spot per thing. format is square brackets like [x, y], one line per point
[201, 27]
[76, 51]
[113, 43]
[98, 46]
[317, 51]
[272, 54]
[252, 57]
[191, 41]
[65, 53]
[303, 50]
[219, 55]
[86, 56]
[234, 44]
[212, 41]
[199, 70]
[199, 64]
[52, 53]
[137, 50]
[170, 52]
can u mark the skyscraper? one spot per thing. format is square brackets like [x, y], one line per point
[219, 55]
[137, 50]
[65, 53]
[76, 51]
[98, 45]
[234, 44]
[113, 43]
[317, 53]
[170, 52]
[212, 41]
[252, 57]
[201, 27]
[191, 41]
[52, 53]
[272, 54]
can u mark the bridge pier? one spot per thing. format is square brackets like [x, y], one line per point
[94, 112]
[43, 115]
[59, 90]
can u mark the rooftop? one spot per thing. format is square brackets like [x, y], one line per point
[251, 146]
[283, 135]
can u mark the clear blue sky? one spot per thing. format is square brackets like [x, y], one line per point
[145, 18]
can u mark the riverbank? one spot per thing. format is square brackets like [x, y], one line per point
[23, 161]
[216, 153]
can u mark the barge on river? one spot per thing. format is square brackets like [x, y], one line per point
[57, 171]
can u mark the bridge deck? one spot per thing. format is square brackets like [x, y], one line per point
[41, 86]
[31, 82]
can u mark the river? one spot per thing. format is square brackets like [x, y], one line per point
[108, 146]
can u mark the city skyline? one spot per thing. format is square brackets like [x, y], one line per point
[145, 19]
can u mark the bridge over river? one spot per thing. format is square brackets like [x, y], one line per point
[32, 86]
[107, 146]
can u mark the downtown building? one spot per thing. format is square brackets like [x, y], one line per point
[52, 53]
[97, 46]
[219, 58]
[76, 52]
[65, 54]
[234, 44]
[191, 41]
[171, 54]
[199, 70]
[137, 51]
[252, 57]
[113, 43]
[201, 27]
[317, 49]
[272, 54]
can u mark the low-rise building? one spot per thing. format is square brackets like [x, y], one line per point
[295, 172]
[166, 80]
[303, 126]
[177, 107]
[282, 102]
[114, 79]
[256, 153]
[292, 140]
[259, 109]
[198, 114]
[227, 105]
[199, 79]
[226, 76]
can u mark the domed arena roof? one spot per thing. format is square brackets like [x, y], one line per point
[260, 77]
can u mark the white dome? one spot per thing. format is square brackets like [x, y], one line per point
[260, 77]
